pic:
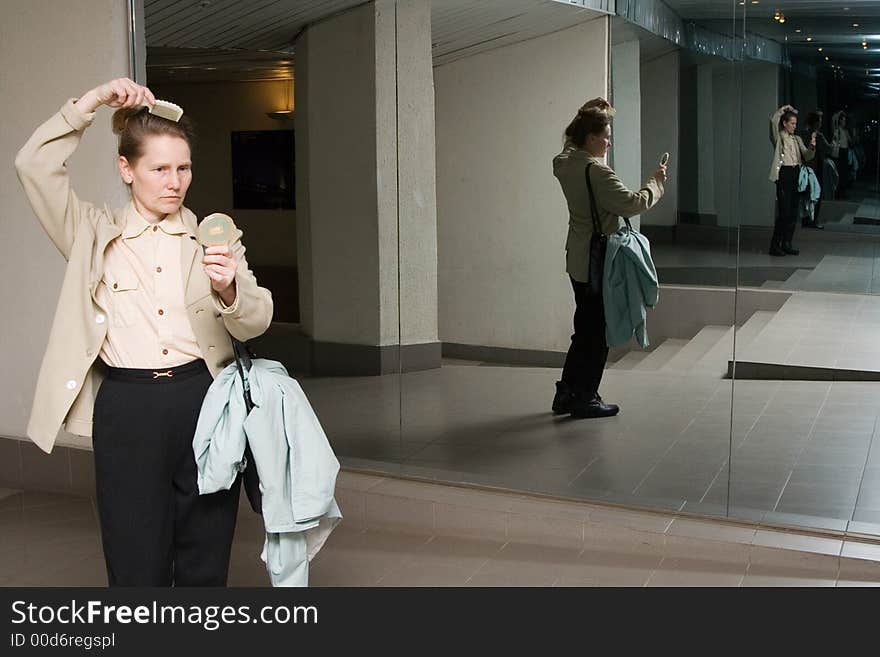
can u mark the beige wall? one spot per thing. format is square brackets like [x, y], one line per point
[660, 125]
[217, 109]
[626, 79]
[501, 216]
[42, 69]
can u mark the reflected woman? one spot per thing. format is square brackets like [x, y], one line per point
[789, 155]
[587, 141]
[824, 150]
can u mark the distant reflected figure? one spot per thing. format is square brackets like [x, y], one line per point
[842, 139]
[789, 155]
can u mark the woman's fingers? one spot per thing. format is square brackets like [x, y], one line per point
[123, 92]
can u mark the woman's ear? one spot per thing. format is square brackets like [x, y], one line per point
[125, 170]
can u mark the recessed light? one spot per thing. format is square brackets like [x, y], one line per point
[820, 50]
[827, 58]
[809, 38]
[798, 30]
[855, 24]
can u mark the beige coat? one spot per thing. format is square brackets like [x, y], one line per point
[613, 201]
[71, 373]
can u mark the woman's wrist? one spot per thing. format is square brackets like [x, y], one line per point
[88, 102]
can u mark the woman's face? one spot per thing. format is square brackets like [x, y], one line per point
[160, 178]
[790, 125]
[599, 143]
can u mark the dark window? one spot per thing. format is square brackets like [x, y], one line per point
[263, 170]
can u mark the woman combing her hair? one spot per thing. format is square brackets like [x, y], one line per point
[142, 326]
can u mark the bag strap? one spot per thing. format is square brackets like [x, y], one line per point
[594, 211]
[243, 362]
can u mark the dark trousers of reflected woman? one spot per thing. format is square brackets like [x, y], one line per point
[578, 391]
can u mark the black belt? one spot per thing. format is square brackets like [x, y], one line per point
[160, 375]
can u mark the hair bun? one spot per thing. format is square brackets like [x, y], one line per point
[121, 117]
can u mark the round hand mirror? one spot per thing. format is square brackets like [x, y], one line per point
[216, 229]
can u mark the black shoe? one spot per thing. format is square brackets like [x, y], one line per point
[563, 399]
[776, 250]
[595, 407]
[790, 250]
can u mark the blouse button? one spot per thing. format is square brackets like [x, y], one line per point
[99, 318]
[164, 352]
[158, 270]
[161, 312]
[155, 228]
[115, 285]
[71, 385]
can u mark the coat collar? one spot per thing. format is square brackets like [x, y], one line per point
[185, 223]
[135, 224]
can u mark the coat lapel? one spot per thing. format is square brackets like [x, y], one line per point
[190, 257]
[105, 232]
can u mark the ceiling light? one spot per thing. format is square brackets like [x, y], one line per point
[827, 58]
[809, 38]
[798, 30]
[855, 24]
[820, 50]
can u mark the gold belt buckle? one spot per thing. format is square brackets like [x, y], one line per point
[169, 374]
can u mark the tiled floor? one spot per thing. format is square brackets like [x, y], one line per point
[803, 451]
[53, 540]
[821, 330]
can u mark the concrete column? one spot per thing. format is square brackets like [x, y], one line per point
[706, 127]
[40, 71]
[626, 154]
[366, 205]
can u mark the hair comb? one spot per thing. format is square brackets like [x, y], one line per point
[167, 110]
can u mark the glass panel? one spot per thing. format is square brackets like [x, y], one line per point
[806, 393]
[278, 123]
[506, 302]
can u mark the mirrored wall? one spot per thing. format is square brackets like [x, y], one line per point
[426, 279]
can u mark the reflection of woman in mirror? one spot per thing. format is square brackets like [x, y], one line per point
[141, 329]
[789, 155]
[842, 139]
[587, 140]
[824, 169]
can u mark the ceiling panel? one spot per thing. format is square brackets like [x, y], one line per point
[459, 28]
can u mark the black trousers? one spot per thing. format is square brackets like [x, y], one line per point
[786, 205]
[156, 528]
[844, 172]
[588, 353]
